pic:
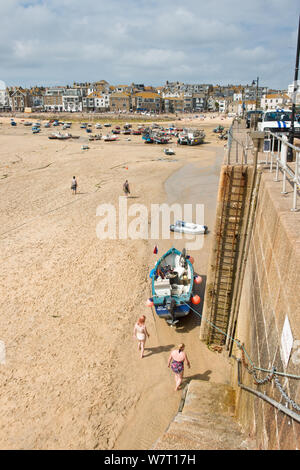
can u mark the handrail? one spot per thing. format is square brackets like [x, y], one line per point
[264, 397]
[281, 164]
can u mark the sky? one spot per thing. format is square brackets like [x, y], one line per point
[57, 42]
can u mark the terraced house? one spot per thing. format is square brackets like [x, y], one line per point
[53, 99]
[173, 104]
[19, 99]
[95, 102]
[147, 101]
[120, 102]
[72, 100]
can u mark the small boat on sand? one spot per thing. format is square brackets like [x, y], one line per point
[169, 151]
[172, 285]
[110, 138]
[187, 227]
[191, 137]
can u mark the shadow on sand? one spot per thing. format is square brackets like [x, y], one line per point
[205, 377]
[158, 350]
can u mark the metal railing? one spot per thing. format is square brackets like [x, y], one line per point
[284, 409]
[278, 158]
[240, 150]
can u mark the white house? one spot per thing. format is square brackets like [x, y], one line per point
[273, 101]
[96, 101]
[4, 99]
[72, 100]
[291, 92]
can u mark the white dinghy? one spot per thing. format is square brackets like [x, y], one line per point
[187, 227]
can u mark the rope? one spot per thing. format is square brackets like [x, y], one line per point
[244, 353]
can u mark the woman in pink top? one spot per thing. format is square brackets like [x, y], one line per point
[176, 361]
[140, 333]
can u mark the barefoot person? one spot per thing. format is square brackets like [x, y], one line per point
[126, 188]
[74, 185]
[140, 333]
[176, 361]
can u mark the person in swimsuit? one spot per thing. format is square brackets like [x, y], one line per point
[140, 333]
[176, 361]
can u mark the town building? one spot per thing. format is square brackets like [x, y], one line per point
[147, 101]
[19, 99]
[173, 104]
[199, 102]
[120, 102]
[291, 92]
[53, 99]
[95, 102]
[72, 100]
[4, 100]
[274, 101]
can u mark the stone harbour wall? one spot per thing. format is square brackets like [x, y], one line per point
[268, 323]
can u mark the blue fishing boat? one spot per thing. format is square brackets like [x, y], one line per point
[172, 285]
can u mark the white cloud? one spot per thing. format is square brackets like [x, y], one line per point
[47, 41]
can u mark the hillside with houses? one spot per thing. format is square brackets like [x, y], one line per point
[171, 98]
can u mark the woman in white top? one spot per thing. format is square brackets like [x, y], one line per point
[140, 333]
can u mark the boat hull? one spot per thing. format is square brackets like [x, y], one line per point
[180, 312]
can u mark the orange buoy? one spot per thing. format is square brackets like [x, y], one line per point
[196, 300]
[198, 279]
[191, 259]
[149, 303]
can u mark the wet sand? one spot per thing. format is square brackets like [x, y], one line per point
[72, 377]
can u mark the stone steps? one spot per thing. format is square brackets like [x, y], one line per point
[206, 421]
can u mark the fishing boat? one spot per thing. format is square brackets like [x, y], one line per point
[187, 227]
[161, 140]
[172, 285]
[110, 138]
[59, 136]
[191, 137]
[95, 137]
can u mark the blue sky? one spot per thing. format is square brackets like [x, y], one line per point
[51, 42]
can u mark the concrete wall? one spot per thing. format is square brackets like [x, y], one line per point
[270, 293]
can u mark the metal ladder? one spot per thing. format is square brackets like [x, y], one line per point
[227, 252]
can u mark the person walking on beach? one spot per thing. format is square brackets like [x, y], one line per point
[74, 185]
[176, 361]
[140, 333]
[126, 188]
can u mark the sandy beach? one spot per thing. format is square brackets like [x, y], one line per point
[72, 377]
